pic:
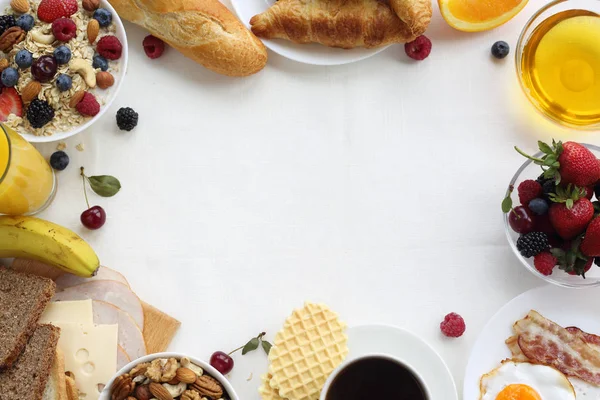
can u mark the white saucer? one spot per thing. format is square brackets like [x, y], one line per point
[314, 54]
[566, 307]
[405, 346]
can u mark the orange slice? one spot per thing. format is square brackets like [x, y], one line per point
[479, 15]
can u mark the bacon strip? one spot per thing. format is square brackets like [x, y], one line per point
[545, 342]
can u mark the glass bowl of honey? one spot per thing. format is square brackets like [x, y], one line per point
[558, 62]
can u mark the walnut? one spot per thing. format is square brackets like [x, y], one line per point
[162, 370]
[208, 386]
[139, 369]
[10, 37]
[190, 395]
[122, 387]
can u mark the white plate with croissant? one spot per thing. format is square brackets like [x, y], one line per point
[333, 32]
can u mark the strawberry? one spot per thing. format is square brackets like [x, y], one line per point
[581, 270]
[590, 246]
[10, 103]
[571, 212]
[571, 259]
[569, 163]
[50, 10]
[589, 192]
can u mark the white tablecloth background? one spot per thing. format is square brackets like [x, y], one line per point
[373, 187]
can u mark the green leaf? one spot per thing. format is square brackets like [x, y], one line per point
[250, 346]
[104, 185]
[569, 203]
[506, 204]
[544, 147]
[266, 346]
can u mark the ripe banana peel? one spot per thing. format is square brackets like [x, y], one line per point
[34, 238]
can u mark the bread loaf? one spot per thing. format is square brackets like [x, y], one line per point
[203, 30]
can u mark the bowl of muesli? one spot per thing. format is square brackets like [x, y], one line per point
[168, 376]
[62, 63]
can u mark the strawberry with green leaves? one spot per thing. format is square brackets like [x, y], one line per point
[590, 246]
[571, 211]
[567, 163]
[571, 259]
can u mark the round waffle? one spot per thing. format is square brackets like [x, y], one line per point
[266, 391]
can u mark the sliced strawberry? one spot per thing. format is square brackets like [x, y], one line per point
[50, 10]
[10, 103]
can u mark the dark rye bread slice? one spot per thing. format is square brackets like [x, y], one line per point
[23, 299]
[27, 378]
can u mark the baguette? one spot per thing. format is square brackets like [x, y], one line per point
[203, 30]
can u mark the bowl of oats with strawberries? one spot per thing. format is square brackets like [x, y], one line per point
[62, 63]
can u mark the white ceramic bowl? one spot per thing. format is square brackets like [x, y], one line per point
[110, 93]
[105, 395]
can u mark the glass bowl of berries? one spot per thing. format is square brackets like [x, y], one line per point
[62, 65]
[552, 224]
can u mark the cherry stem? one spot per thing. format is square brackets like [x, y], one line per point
[527, 155]
[84, 188]
[259, 337]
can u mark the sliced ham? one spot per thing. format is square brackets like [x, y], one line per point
[115, 293]
[130, 336]
[104, 274]
[122, 358]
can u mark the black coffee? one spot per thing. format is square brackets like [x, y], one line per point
[375, 378]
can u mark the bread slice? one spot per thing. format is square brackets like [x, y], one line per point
[23, 298]
[72, 391]
[28, 376]
[56, 388]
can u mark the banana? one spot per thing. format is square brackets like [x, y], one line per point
[41, 240]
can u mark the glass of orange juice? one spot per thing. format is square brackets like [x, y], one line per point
[27, 183]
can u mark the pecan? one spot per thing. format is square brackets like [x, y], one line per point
[208, 386]
[122, 387]
[10, 37]
[190, 395]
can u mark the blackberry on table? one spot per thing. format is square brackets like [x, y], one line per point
[532, 244]
[39, 113]
[6, 21]
[127, 119]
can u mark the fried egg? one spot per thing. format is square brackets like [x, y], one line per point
[525, 381]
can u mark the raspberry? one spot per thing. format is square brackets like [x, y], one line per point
[153, 46]
[109, 47]
[88, 105]
[529, 190]
[419, 48]
[544, 263]
[453, 325]
[64, 29]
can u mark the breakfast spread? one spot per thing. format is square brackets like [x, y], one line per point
[60, 61]
[344, 24]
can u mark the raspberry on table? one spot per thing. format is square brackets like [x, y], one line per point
[529, 190]
[545, 263]
[453, 325]
[419, 49]
[109, 47]
[153, 46]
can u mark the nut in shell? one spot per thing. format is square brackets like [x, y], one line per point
[77, 97]
[93, 28]
[104, 80]
[160, 392]
[208, 386]
[186, 375]
[31, 91]
[90, 5]
[10, 37]
[122, 387]
[20, 6]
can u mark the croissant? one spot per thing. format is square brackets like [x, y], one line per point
[335, 23]
[415, 13]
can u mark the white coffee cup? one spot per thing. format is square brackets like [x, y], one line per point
[387, 357]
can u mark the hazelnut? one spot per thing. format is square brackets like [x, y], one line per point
[91, 5]
[142, 392]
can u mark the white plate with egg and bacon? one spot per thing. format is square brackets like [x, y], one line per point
[542, 345]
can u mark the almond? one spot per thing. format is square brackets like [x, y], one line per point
[31, 91]
[159, 391]
[20, 6]
[77, 97]
[91, 5]
[104, 80]
[3, 64]
[93, 29]
[186, 375]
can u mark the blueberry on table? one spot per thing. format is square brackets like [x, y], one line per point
[9, 77]
[59, 160]
[103, 16]
[64, 82]
[500, 49]
[62, 54]
[100, 62]
[24, 59]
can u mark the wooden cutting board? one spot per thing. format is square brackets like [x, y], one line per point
[159, 328]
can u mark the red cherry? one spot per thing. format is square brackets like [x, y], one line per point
[521, 220]
[93, 218]
[222, 362]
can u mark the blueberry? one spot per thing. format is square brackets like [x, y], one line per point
[24, 59]
[100, 62]
[500, 49]
[25, 22]
[59, 160]
[9, 77]
[103, 16]
[538, 206]
[64, 82]
[62, 54]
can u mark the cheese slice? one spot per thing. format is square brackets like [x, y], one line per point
[68, 311]
[90, 355]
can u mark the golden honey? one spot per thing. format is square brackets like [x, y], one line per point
[560, 65]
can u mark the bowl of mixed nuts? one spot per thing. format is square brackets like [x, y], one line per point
[168, 376]
[62, 63]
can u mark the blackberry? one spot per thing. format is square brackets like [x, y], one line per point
[533, 243]
[6, 21]
[541, 180]
[127, 119]
[39, 113]
[549, 187]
